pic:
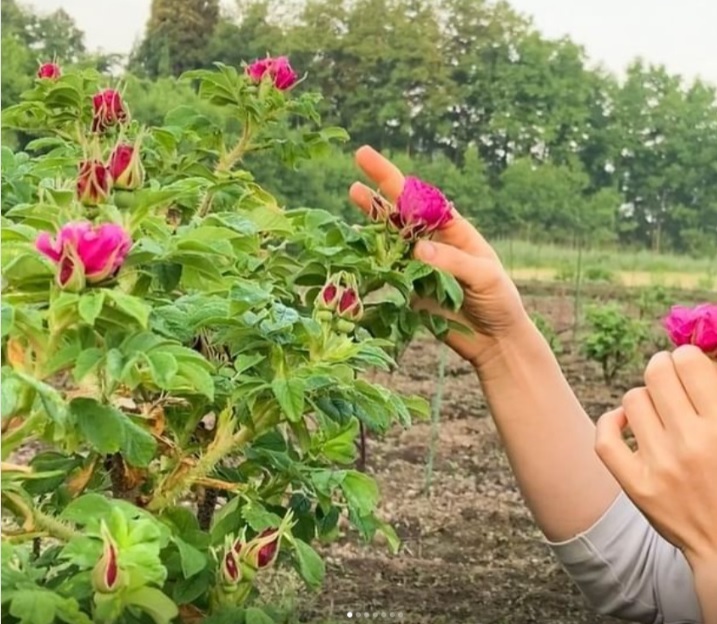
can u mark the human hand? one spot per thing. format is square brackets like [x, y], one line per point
[492, 307]
[672, 475]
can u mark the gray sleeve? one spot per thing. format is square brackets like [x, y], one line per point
[626, 569]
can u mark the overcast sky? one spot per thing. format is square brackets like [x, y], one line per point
[679, 33]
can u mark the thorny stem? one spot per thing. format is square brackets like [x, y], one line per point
[225, 164]
[176, 483]
[34, 519]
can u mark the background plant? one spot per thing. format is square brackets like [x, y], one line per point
[614, 339]
[197, 412]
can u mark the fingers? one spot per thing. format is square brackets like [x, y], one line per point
[667, 393]
[644, 421]
[389, 180]
[698, 376]
[468, 269]
[612, 449]
[382, 171]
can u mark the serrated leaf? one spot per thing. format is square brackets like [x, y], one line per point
[192, 559]
[361, 492]
[290, 393]
[259, 518]
[310, 565]
[254, 615]
[155, 603]
[90, 305]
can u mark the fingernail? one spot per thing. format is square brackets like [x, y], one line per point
[425, 250]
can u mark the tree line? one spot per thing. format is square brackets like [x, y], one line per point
[526, 137]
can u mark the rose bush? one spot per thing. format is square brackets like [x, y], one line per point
[185, 355]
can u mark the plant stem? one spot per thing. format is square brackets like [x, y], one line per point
[181, 479]
[225, 165]
[435, 416]
[34, 519]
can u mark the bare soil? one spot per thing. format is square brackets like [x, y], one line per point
[471, 551]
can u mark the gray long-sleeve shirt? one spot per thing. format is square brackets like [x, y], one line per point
[627, 570]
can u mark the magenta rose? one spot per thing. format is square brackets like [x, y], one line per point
[696, 326]
[108, 110]
[420, 209]
[85, 253]
[278, 69]
[49, 71]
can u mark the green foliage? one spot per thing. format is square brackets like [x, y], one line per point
[177, 37]
[525, 138]
[614, 339]
[200, 369]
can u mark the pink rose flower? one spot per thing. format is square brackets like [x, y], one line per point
[108, 110]
[278, 69]
[85, 253]
[697, 326]
[420, 209]
[49, 71]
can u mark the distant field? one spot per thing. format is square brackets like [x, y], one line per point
[686, 281]
[630, 268]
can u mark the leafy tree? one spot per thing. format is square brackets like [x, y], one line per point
[177, 37]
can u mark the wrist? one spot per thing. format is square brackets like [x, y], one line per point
[523, 340]
[704, 570]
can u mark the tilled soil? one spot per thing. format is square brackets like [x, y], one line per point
[471, 552]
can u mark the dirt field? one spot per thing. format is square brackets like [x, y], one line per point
[471, 552]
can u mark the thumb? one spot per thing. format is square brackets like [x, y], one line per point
[467, 269]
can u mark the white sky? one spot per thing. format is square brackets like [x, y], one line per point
[677, 33]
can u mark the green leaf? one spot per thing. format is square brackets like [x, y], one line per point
[290, 395]
[86, 362]
[138, 445]
[86, 508]
[41, 606]
[90, 305]
[254, 615]
[7, 318]
[192, 559]
[311, 566]
[361, 492]
[109, 431]
[155, 603]
[259, 518]
[449, 290]
[33, 606]
[163, 367]
[101, 425]
[134, 307]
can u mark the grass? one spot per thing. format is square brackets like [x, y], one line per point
[521, 254]
[546, 262]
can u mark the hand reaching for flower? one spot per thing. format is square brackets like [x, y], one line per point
[492, 307]
[671, 477]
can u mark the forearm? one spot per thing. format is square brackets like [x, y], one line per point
[548, 436]
[706, 586]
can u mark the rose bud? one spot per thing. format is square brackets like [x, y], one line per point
[350, 306]
[93, 183]
[283, 74]
[420, 209]
[125, 167]
[108, 110]
[261, 552]
[49, 71]
[266, 555]
[231, 572]
[328, 297]
[257, 70]
[278, 69]
[85, 253]
[107, 576]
